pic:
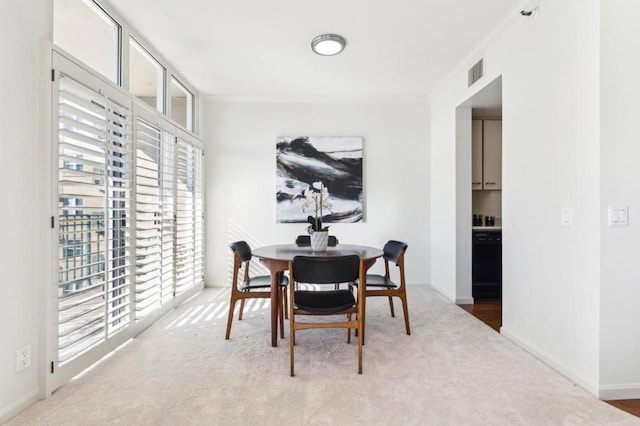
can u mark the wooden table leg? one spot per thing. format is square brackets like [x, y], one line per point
[367, 264]
[274, 308]
[276, 268]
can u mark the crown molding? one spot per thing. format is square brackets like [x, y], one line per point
[318, 99]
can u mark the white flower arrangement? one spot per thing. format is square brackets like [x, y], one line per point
[317, 195]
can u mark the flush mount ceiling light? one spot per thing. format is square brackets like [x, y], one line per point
[328, 44]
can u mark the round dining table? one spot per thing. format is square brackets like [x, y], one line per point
[277, 257]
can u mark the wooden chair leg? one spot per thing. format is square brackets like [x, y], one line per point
[232, 305]
[405, 309]
[285, 300]
[292, 340]
[361, 321]
[348, 329]
[355, 332]
[360, 343]
[241, 309]
[393, 314]
[281, 316]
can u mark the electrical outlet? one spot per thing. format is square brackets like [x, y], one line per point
[23, 358]
[618, 216]
[566, 216]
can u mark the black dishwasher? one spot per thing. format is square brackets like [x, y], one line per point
[486, 265]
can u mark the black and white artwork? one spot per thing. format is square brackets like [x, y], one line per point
[336, 161]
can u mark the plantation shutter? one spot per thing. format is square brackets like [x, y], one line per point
[129, 225]
[148, 219]
[119, 193]
[94, 182]
[185, 216]
[168, 217]
[199, 216]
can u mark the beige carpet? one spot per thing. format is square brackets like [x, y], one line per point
[453, 370]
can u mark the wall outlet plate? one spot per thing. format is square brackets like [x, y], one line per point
[23, 358]
[566, 216]
[618, 216]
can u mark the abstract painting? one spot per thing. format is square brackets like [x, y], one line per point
[336, 161]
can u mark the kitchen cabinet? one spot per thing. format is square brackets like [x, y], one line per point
[486, 153]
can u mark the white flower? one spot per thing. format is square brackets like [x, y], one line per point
[324, 194]
[316, 196]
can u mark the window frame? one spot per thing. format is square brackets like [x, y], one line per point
[190, 107]
[163, 86]
[104, 15]
[126, 33]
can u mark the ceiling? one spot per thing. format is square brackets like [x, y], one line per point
[262, 48]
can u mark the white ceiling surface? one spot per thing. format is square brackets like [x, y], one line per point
[262, 48]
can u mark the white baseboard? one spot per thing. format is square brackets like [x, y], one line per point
[551, 362]
[18, 406]
[451, 297]
[447, 296]
[619, 391]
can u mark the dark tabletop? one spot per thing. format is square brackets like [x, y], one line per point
[286, 252]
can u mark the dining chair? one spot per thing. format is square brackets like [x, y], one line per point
[305, 240]
[258, 287]
[318, 302]
[382, 285]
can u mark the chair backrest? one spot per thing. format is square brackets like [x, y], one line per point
[393, 250]
[242, 249]
[326, 270]
[305, 240]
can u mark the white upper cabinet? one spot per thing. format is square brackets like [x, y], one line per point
[486, 154]
[476, 154]
[492, 154]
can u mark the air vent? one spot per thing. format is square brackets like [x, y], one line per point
[475, 73]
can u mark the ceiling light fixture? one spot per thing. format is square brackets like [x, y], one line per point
[328, 44]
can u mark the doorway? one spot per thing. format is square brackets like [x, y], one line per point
[479, 204]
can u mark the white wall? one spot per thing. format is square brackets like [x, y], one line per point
[620, 153]
[463, 204]
[24, 25]
[550, 78]
[240, 175]
[443, 198]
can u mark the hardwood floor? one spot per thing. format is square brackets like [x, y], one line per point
[490, 312]
[487, 311]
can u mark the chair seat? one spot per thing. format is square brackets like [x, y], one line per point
[262, 281]
[378, 281]
[324, 302]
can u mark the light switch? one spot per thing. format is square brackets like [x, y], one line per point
[618, 216]
[566, 216]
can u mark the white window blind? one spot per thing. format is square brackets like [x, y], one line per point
[199, 216]
[148, 218]
[94, 183]
[124, 252]
[119, 193]
[168, 217]
[185, 216]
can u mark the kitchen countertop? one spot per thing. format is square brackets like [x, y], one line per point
[486, 228]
